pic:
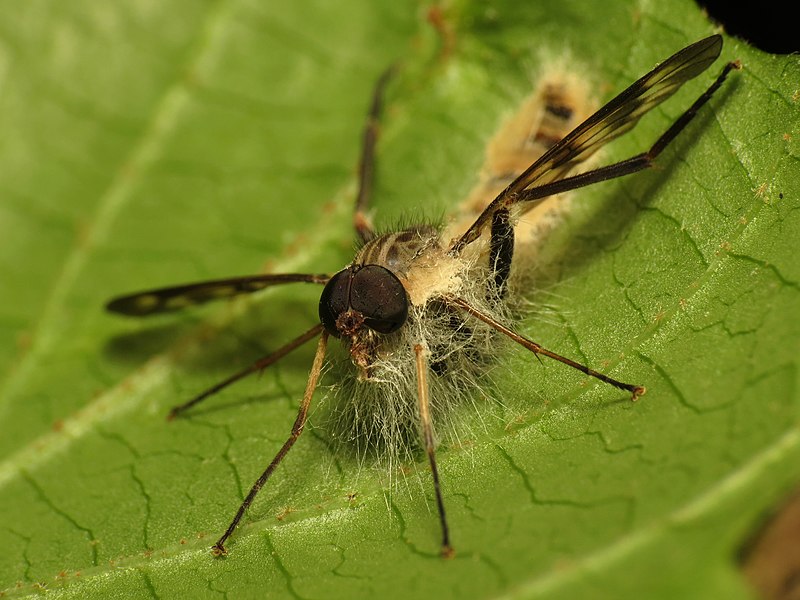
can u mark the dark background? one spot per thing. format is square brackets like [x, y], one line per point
[769, 25]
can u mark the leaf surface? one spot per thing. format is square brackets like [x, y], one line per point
[149, 144]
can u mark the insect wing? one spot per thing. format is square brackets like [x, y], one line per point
[622, 113]
[612, 120]
[141, 304]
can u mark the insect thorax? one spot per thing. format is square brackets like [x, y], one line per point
[397, 251]
[417, 257]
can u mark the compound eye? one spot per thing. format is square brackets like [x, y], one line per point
[377, 294]
[335, 300]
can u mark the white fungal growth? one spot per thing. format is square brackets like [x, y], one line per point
[379, 415]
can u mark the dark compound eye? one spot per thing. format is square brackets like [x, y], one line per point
[373, 292]
[335, 300]
[378, 295]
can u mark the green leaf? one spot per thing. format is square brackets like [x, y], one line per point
[148, 144]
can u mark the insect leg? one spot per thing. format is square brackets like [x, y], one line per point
[300, 422]
[635, 390]
[501, 252]
[430, 447]
[366, 167]
[261, 363]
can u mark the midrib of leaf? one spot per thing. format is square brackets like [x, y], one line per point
[143, 153]
[129, 393]
[621, 551]
[694, 510]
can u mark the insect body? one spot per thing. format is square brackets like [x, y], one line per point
[419, 313]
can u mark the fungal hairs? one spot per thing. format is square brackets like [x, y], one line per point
[377, 417]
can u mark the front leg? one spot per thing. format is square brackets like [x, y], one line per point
[501, 253]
